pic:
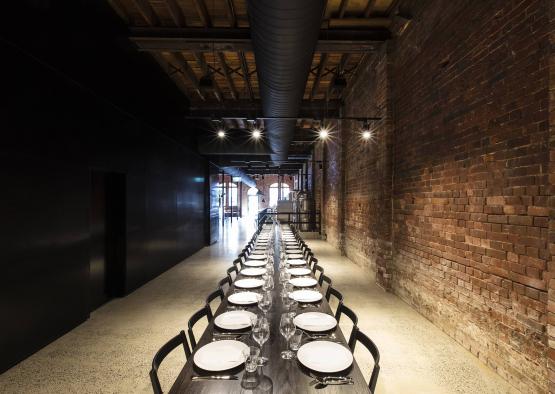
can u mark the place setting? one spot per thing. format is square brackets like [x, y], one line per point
[295, 256]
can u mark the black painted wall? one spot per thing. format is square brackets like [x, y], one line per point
[75, 100]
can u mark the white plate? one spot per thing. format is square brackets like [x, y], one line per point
[255, 263]
[306, 295]
[259, 251]
[303, 282]
[325, 356]
[257, 257]
[253, 271]
[299, 271]
[234, 320]
[220, 355]
[294, 251]
[243, 298]
[315, 321]
[249, 283]
[295, 256]
[296, 262]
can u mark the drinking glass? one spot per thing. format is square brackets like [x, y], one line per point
[295, 341]
[265, 303]
[261, 333]
[250, 377]
[286, 328]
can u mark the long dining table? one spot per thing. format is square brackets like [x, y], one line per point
[286, 376]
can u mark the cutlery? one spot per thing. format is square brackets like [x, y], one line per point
[330, 380]
[214, 377]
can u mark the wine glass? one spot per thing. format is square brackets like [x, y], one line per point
[261, 333]
[265, 303]
[268, 283]
[250, 377]
[286, 328]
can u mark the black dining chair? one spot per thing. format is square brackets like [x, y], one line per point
[218, 293]
[167, 348]
[223, 282]
[324, 278]
[238, 264]
[359, 336]
[320, 270]
[337, 295]
[242, 257]
[312, 262]
[204, 312]
[345, 310]
[306, 252]
[230, 270]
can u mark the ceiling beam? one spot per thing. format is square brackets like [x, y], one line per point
[246, 75]
[239, 40]
[176, 13]
[231, 13]
[203, 14]
[177, 77]
[181, 63]
[227, 76]
[321, 67]
[369, 8]
[342, 8]
[147, 12]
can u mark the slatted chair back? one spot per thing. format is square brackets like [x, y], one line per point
[359, 336]
[203, 312]
[238, 264]
[161, 354]
[345, 310]
[225, 281]
[232, 270]
[218, 293]
[324, 278]
[337, 295]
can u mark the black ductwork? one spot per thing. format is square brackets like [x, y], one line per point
[284, 34]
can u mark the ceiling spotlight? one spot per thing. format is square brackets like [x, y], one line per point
[323, 133]
[366, 134]
[256, 134]
[221, 133]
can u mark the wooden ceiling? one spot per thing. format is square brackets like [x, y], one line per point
[191, 39]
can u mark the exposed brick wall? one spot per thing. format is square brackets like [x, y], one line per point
[332, 192]
[551, 203]
[465, 145]
[470, 186]
[367, 169]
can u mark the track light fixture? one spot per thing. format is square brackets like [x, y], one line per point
[221, 133]
[256, 133]
[365, 132]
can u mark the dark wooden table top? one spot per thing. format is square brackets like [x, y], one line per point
[287, 376]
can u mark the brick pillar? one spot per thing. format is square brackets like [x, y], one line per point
[551, 202]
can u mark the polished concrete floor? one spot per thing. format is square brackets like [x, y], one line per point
[112, 351]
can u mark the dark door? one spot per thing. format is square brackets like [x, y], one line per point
[107, 253]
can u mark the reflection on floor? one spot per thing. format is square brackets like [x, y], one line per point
[112, 351]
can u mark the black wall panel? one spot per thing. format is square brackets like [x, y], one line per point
[55, 129]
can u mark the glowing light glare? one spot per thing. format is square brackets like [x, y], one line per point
[221, 133]
[323, 133]
[366, 134]
[256, 134]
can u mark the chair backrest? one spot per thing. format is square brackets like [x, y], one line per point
[204, 312]
[238, 264]
[242, 257]
[312, 262]
[306, 252]
[324, 278]
[179, 339]
[345, 310]
[359, 336]
[231, 270]
[333, 292]
[320, 270]
[223, 282]
[218, 293]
